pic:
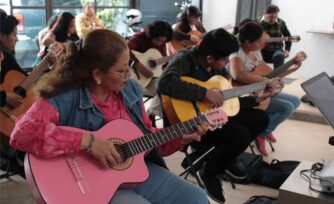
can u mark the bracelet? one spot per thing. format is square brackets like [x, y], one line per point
[90, 145]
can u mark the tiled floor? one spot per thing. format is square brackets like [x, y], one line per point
[296, 141]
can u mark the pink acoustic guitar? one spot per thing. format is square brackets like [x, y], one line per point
[82, 179]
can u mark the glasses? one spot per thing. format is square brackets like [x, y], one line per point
[126, 72]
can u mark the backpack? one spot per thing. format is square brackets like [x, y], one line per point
[261, 200]
[273, 174]
[240, 171]
[250, 168]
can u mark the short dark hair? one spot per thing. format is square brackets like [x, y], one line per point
[193, 11]
[3, 16]
[272, 9]
[160, 29]
[218, 43]
[9, 24]
[250, 31]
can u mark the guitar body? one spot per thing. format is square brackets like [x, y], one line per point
[82, 179]
[182, 110]
[145, 58]
[176, 45]
[8, 115]
[260, 70]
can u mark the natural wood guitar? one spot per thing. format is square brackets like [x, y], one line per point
[178, 110]
[265, 71]
[81, 179]
[153, 60]
[280, 39]
[18, 83]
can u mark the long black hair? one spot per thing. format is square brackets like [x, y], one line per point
[61, 26]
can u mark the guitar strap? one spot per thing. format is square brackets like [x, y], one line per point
[195, 105]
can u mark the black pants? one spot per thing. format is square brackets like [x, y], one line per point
[232, 139]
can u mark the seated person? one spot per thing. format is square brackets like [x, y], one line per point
[87, 20]
[275, 52]
[252, 39]
[10, 159]
[189, 21]
[95, 82]
[202, 62]
[155, 36]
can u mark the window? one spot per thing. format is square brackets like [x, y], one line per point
[33, 15]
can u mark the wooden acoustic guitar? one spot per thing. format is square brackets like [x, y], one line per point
[265, 71]
[82, 179]
[175, 45]
[18, 83]
[280, 39]
[153, 60]
[178, 110]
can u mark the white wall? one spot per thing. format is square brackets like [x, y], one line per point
[300, 16]
[218, 13]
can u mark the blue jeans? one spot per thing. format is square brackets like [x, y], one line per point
[274, 56]
[280, 108]
[161, 187]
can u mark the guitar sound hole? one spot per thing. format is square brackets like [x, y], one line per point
[152, 63]
[20, 91]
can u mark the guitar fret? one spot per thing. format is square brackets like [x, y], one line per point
[140, 145]
[149, 138]
[152, 139]
[176, 128]
[281, 68]
[162, 137]
[239, 91]
[144, 139]
[188, 126]
[165, 134]
[158, 139]
[131, 148]
[136, 146]
[169, 132]
[155, 139]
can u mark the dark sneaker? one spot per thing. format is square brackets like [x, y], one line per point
[212, 186]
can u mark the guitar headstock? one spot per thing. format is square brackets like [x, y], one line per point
[300, 56]
[294, 38]
[216, 118]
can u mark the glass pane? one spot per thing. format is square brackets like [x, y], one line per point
[57, 3]
[113, 3]
[4, 5]
[72, 11]
[31, 22]
[28, 2]
[113, 19]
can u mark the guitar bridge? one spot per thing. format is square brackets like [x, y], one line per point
[78, 175]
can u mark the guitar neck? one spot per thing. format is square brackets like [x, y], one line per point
[152, 140]
[35, 74]
[276, 72]
[277, 39]
[242, 90]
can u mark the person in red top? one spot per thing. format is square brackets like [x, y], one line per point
[155, 35]
[91, 88]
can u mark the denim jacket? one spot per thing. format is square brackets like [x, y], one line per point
[76, 109]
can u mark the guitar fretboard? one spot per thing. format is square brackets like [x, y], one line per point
[153, 140]
[281, 68]
[242, 90]
[35, 74]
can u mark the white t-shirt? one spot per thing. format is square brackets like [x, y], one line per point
[249, 65]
